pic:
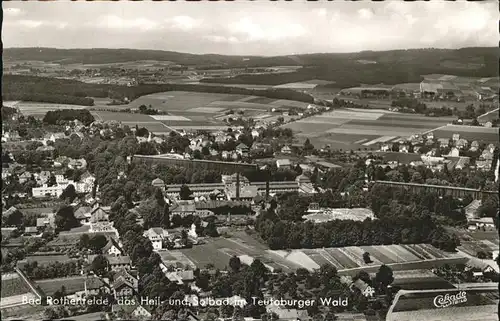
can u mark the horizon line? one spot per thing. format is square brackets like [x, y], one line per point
[259, 56]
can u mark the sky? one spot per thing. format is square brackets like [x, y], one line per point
[251, 27]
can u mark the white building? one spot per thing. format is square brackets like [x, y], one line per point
[156, 235]
[53, 191]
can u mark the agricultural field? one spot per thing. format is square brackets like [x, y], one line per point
[352, 257]
[219, 251]
[362, 128]
[39, 110]
[72, 284]
[192, 110]
[484, 134]
[12, 285]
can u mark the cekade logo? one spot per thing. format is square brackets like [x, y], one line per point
[443, 301]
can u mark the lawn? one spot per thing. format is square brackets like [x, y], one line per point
[72, 284]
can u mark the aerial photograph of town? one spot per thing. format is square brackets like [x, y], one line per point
[250, 161]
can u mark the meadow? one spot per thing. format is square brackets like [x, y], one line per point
[360, 128]
[192, 110]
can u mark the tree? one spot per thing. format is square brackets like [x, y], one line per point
[100, 265]
[235, 263]
[84, 242]
[166, 216]
[308, 146]
[69, 193]
[185, 192]
[384, 277]
[65, 218]
[211, 230]
[97, 242]
[52, 180]
[366, 258]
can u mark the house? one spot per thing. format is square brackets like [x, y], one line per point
[128, 276]
[24, 177]
[454, 152]
[430, 136]
[30, 231]
[46, 191]
[181, 277]
[44, 222]
[455, 137]
[484, 223]
[159, 183]
[461, 143]
[183, 208]
[83, 214]
[242, 149]
[283, 163]
[112, 248]
[118, 262]
[95, 286]
[403, 148]
[77, 164]
[443, 142]
[284, 313]
[123, 288]
[286, 150]
[255, 134]
[386, 147]
[363, 287]
[157, 236]
[135, 311]
[474, 146]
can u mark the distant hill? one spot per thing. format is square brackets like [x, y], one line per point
[105, 56]
[481, 55]
[345, 69]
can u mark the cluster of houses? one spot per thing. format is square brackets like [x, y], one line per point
[456, 146]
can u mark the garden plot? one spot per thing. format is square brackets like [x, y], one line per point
[208, 110]
[170, 118]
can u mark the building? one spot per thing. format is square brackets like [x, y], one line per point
[183, 208]
[231, 167]
[286, 150]
[122, 288]
[242, 150]
[197, 189]
[112, 248]
[47, 191]
[95, 286]
[159, 183]
[284, 313]
[283, 164]
[137, 311]
[245, 193]
[119, 262]
[157, 236]
[484, 223]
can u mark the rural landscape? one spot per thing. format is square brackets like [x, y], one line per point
[263, 182]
